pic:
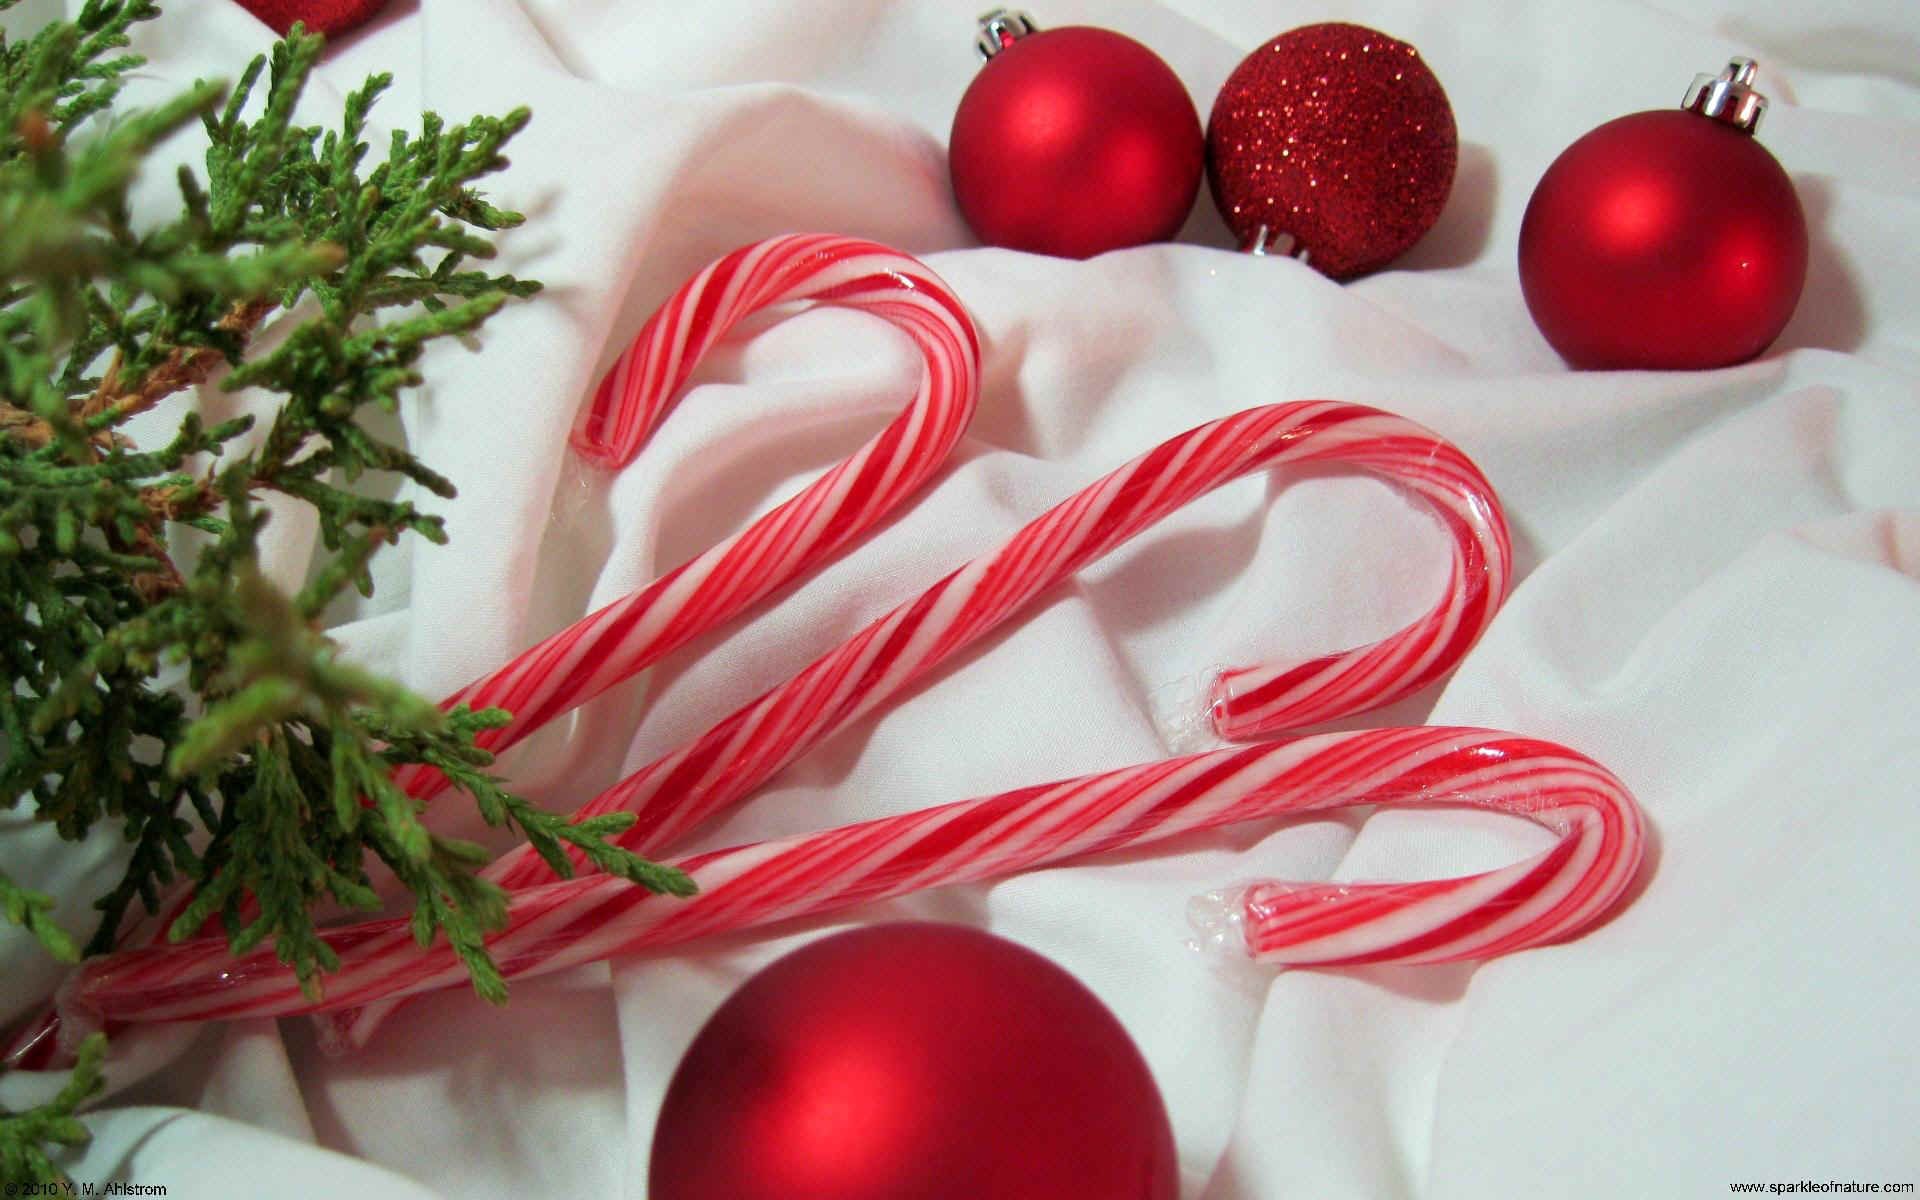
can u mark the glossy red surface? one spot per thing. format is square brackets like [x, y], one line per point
[1663, 240]
[1073, 142]
[915, 1060]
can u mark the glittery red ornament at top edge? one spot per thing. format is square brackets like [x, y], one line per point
[1337, 136]
[321, 16]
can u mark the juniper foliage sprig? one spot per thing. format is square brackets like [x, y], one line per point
[263, 778]
[23, 1160]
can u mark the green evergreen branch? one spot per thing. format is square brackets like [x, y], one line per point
[22, 1161]
[263, 780]
[33, 912]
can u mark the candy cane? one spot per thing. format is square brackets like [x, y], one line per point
[628, 635]
[678, 792]
[625, 637]
[1542, 899]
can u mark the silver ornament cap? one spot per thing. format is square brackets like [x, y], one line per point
[1728, 97]
[1001, 28]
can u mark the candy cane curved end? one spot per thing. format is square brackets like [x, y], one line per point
[617, 641]
[678, 792]
[1251, 702]
[634, 396]
[1539, 900]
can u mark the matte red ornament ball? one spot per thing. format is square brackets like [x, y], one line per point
[1663, 240]
[1337, 137]
[915, 1060]
[320, 16]
[1073, 142]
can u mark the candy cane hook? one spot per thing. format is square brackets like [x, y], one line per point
[625, 637]
[680, 791]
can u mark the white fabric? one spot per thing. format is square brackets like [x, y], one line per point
[1719, 597]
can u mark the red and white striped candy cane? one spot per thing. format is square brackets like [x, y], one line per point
[630, 634]
[1542, 899]
[678, 792]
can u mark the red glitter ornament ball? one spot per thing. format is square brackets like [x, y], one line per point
[1074, 142]
[1666, 240]
[912, 1059]
[320, 16]
[1338, 137]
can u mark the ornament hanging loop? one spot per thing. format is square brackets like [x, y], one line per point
[1728, 97]
[1270, 243]
[1000, 28]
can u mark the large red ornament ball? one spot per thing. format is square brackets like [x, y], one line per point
[1073, 142]
[1663, 240]
[915, 1060]
[320, 16]
[1338, 137]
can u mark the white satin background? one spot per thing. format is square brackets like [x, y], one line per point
[1719, 597]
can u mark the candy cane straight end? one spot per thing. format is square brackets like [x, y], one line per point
[1245, 705]
[592, 454]
[588, 438]
[1220, 703]
[77, 1019]
[1218, 920]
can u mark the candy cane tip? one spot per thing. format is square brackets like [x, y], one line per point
[77, 1019]
[1219, 697]
[333, 1034]
[598, 454]
[1218, 921]
[1183, 713]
